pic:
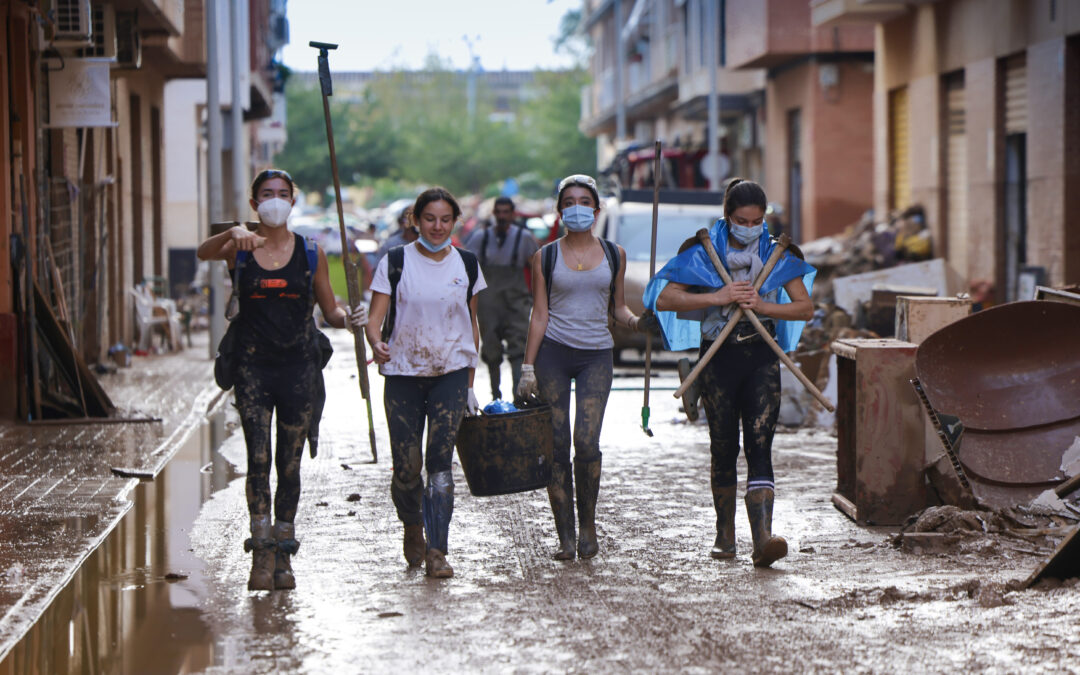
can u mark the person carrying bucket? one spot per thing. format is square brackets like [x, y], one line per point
[277, 364]
[504, 250]
[577, 287]
[741, 383]
[424, 336]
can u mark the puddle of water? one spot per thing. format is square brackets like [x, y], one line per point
[134, 605]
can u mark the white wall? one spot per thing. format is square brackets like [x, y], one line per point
[184, 217]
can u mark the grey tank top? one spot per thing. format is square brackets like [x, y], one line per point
[578, 308]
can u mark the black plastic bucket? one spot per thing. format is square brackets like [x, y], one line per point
[506, 453]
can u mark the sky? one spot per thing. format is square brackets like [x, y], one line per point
[386, 34]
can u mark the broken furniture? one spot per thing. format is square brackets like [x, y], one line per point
[880, 432]
[1011, 375]
[918, 317]
[155, 315]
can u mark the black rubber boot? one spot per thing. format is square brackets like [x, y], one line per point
[286, 547]
[561, 496]
[414, 545]
[261, 545]
[767, 548]
[587, 476]
[724, 502]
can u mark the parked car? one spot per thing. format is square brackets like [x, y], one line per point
[627, 220]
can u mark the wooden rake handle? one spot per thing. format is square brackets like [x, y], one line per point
[707, 243]
[781, 246]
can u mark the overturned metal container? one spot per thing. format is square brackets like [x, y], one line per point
[507, 453]
[1011, 374]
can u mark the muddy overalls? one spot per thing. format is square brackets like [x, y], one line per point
[503, 309]
[276, 373]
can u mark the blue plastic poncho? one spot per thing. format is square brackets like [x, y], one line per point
[694, 268]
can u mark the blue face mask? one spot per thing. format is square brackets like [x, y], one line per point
[578, 218]
[432, 247]
[747, 235]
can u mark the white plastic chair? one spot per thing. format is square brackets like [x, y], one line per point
[145, 320]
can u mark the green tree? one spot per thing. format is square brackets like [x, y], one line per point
[558, 147]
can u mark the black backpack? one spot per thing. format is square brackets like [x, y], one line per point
[395, 262]
[547, 264]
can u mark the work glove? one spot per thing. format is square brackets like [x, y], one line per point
[647, 322]
[472, 407]
[355, 319]
[527, 386]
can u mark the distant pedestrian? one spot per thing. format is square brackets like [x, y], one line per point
[577, 292]
[406, 233]
[504, 249]
[742, 381]
[427, 351]
[278, 363]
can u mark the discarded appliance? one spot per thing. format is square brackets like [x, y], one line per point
[507, 452]
[880, 432]
[1011, 375]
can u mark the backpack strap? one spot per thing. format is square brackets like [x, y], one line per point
[395, 261]
[517, 246]
[232, 306]
[312, 251]
[472, 269]
[611, 252]
[547, 266]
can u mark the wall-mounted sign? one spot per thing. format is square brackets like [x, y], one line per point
[79, 94]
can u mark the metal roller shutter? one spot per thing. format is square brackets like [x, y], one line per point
[1016, 94]
[956, 174]
[900, 177]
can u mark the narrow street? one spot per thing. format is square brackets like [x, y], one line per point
[653, 600]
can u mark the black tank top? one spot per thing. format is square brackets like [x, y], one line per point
[275, 310]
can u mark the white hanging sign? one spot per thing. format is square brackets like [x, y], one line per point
[79, 94]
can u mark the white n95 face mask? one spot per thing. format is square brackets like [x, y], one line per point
[274, 212]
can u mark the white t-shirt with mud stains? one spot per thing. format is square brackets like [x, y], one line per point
[432, 328]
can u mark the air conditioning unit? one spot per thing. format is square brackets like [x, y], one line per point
[103, 20]
[128, 41]
[71, 25]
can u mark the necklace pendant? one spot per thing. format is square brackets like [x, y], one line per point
[579, 267]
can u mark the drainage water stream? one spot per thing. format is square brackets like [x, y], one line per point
[134, 605]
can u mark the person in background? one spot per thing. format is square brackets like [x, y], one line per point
[406, 233]
[504, 249]
[742, 381]
[427, 352]
[577, 290]
[278, 364]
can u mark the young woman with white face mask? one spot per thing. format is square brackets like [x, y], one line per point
[278, 366]
[570, 340]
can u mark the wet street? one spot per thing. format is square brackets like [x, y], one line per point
[167, 593]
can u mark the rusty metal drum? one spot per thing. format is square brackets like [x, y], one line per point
[506, 453]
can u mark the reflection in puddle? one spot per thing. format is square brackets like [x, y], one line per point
[134, 605]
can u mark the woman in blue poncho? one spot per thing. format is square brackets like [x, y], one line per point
[742, 381]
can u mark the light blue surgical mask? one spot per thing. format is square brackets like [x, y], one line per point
[747, 235]
[578, 218]
[433, 247]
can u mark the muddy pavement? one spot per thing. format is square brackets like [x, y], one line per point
[652, 600]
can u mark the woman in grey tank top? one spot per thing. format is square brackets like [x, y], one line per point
[570, 340]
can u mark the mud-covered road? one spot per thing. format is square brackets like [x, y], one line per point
[653, 600]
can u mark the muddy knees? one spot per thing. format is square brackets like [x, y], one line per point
[262, 546]
[438, 508]
[587, 475]
[767, 548]
[286, 546]
[724, 502]
[561, 496]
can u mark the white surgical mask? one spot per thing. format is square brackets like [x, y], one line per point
[746, 235]
[578, 218]
[274, 212]
[434, 248]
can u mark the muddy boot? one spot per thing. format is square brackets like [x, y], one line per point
[438, 508]
[690, 398]
[561, 496]
[287, 546]
[724, 502]
[767, 548]
[414, 545]
[587, 476]
[261, 546]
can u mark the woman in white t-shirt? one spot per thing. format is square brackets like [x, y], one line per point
[427, 351]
